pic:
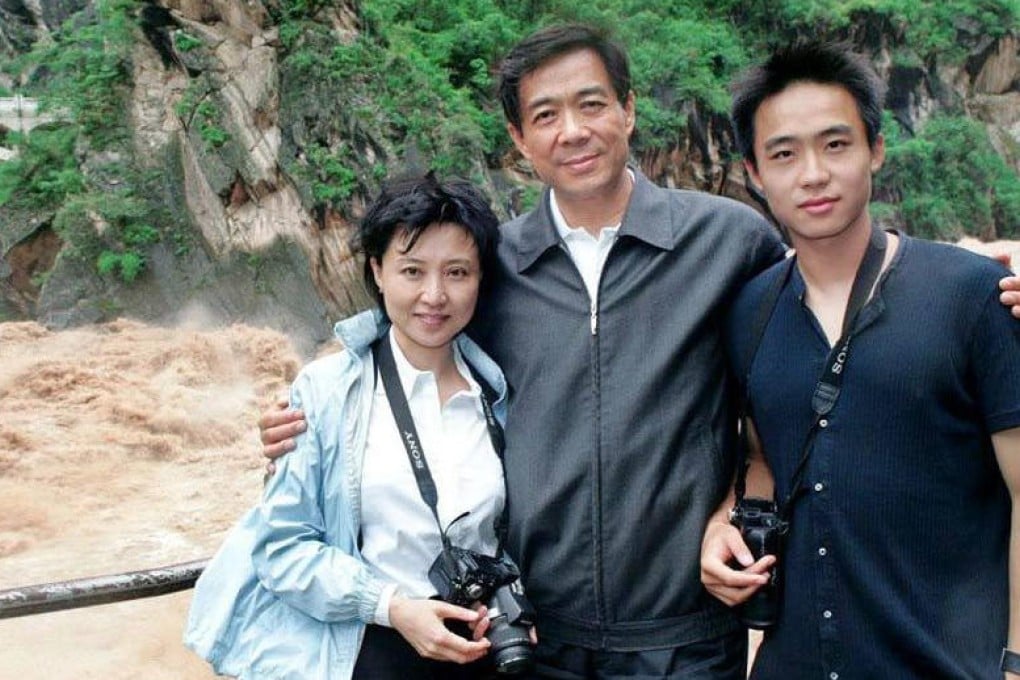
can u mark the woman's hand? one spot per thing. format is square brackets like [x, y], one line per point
[421, 622]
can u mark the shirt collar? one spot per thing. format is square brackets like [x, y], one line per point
[648, 218]
[567, 232]
[412, 379]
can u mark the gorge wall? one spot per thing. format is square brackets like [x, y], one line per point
[220, 127]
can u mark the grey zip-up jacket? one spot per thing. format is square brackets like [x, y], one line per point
[620, 427]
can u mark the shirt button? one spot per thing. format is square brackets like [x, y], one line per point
[823, 422]
[834, 676]
[827, 614]
[819, 486]
[823, 552]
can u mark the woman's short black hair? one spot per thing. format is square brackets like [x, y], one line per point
[412, 205]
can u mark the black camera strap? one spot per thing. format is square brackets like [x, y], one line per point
[830, 383]
[761, 321]
[387, 370]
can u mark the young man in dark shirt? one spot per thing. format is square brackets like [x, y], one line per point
[903, 553]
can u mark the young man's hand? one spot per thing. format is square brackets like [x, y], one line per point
[721, 547]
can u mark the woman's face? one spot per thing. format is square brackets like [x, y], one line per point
[430, 291]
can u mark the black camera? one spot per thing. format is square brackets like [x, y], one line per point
[463, 577]
[763, 530]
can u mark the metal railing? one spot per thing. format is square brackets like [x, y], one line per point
[86, 592]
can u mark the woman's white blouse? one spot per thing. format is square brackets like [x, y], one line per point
[400, 539]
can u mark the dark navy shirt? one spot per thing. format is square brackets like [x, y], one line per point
[896, 563]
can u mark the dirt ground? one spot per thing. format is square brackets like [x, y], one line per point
[125, 447]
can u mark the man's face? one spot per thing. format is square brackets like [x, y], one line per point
[574, 130]
[814, 163]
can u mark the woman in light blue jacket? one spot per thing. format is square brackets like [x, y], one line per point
[327, 577]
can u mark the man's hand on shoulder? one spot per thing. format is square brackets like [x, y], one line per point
[277, 428]
[1010, 297]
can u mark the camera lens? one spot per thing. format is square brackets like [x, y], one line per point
[761, 610]
[511, 646]
[474, 591]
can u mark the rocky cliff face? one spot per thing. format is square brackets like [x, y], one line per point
[255, 252]
[261, 248]
[985, 86]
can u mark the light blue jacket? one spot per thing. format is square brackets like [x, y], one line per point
[287, 595]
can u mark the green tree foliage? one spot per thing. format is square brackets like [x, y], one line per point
[85, 72]
[110, 214]
[197, 109]
[45, 169]
[414, 83]
[934, 28]
[112, 230]
[928, 28]
[419, 75]
[703, 54]
[948, 181]
[185, 42]
[335, 180]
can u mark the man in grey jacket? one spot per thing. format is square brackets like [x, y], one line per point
[606, 320]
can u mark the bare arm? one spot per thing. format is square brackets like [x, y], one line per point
[1007, 452]
[722, 543]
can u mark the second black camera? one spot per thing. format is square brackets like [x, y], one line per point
[763, 530]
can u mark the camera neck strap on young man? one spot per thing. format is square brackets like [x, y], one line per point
[386, 368]
[829, 384]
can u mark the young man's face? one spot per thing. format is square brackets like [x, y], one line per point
[574, 130]
[814, 163]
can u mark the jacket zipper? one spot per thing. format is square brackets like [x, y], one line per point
[593, 321]
[599, 585]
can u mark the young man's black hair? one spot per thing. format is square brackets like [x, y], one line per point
[811, 61]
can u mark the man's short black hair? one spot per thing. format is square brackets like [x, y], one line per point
[413, 204]
[548, 43]
[826, 63]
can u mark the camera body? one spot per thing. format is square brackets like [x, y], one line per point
[463, 577]
[762, 529]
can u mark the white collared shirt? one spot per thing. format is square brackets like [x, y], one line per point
[400, 539]
[588, 253]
